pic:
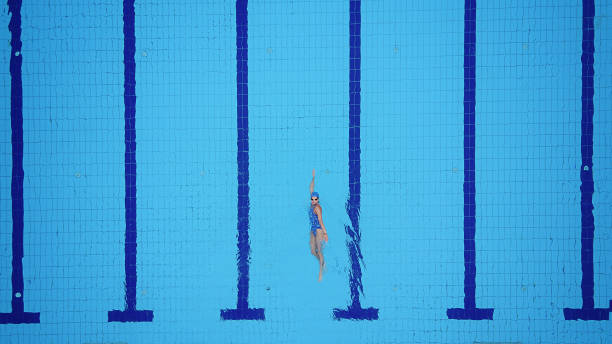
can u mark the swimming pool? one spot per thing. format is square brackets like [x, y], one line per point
[156, 157]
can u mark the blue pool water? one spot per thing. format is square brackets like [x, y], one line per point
[439, 132]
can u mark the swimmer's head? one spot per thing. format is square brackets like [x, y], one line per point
[314, 198]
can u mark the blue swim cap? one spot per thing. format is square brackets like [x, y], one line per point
[314, 194]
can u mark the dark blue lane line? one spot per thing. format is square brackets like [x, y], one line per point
[130, 314]
[469, 312]
[242, 310]
[17, 315]
[588, 310]
[354, 310]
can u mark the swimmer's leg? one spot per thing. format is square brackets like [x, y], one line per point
[312, 246]
[319, 250]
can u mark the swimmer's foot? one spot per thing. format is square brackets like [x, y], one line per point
[322, 270]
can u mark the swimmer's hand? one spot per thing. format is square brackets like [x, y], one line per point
[325, 237]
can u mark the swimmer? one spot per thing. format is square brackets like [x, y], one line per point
[318, 233]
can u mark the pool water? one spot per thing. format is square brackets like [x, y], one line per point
[167, 150]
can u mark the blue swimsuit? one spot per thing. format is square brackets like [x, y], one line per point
[314, 221]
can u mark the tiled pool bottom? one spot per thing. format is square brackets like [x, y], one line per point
[157, 157]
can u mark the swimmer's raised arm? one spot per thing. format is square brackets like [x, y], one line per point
[312, 182]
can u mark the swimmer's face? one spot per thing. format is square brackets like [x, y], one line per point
[314, 200]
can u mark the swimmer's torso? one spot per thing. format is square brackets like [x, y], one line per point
[314, 221]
